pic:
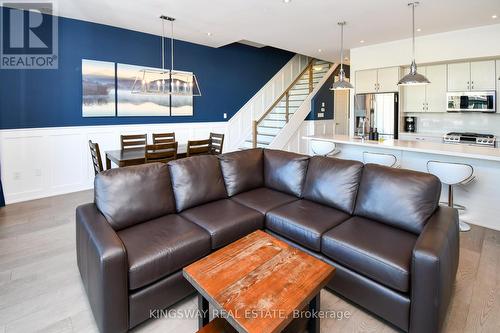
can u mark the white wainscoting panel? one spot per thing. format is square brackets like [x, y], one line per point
[43, 162]
[309, 127]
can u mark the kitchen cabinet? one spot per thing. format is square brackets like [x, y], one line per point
[387, 79]
[498, 85]
[430, 97]
[366, 81]
[377, 80]
[471, 76]
[435, 92]
[459, 76]
[482, 75]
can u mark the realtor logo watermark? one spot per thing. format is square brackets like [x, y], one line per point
[29, 39]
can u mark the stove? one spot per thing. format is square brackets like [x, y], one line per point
[486, 140]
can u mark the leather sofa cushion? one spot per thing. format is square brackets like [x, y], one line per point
[304, 222]
[373, 249]
[263, 199]
[131, 195]
[402, 198]
[333, 182]
[225, 220]
[162, 246]
[196, 180]
[285, 171]
[242, 170]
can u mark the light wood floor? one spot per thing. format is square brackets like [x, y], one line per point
[40, 288]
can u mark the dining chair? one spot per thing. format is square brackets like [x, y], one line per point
[133, 141]
[163, 138]
[216, 143]
[162, 152]
[95, 154]
[198, 147]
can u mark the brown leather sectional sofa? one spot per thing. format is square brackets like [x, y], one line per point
[395, 249]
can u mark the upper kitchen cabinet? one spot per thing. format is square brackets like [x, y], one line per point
[377, 80]
[366, 81]
[388, 79]
[435, 92]
[459, 76]
[466, 76]
[430, 97]
[482, 75]
[498, 85]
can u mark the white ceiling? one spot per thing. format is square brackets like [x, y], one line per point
[301, 26]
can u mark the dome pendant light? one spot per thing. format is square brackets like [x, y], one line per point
[341, 84]
[413, 78]
[166, 81]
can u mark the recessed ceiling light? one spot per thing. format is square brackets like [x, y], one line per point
[287, 1]
[494, 16]
[361, 41]
[320, 50]
[419, 29]
[209, 34]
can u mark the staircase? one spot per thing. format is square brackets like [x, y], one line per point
[269, 125]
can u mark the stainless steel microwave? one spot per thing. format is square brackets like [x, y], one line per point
[471, 101]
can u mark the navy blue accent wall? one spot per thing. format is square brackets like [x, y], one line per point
[228, 76]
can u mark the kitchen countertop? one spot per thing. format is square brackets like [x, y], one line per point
[430, 134]
[458, 150]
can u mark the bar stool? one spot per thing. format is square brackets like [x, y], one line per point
[380, 158]
[324, 148]
[453, 174]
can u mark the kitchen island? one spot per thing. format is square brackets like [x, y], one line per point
[481, 198]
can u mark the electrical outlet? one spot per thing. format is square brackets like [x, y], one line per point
[321, 115]
[17, 175]
[225, 115]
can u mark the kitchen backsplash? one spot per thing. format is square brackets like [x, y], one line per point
[441, 123]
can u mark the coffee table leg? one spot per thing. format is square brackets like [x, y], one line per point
[203, 308]
[313, 325]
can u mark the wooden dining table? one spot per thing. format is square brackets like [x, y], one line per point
[134, 156]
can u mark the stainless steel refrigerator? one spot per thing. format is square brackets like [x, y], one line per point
[380, 112]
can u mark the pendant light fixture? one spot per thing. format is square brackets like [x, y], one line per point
[341, 84]
[413, 78]
[166, 81]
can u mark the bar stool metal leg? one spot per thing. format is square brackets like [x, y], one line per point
[464, 226]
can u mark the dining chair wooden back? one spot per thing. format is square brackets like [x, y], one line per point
[216, 143]
[198, 147]
[163, 138]
[95, 154]
[133, 141]
[162, 152]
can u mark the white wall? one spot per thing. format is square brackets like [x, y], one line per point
[43, 162]
[474, 43]
[461, 44]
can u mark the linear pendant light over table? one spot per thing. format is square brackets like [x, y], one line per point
[341, 84]
[413, 78]
[166, 81]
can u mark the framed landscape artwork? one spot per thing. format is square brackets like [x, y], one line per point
[98, 88]
[107, 92]
[136, 104]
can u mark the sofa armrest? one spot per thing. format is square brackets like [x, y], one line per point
[434, 267]
[103, 264]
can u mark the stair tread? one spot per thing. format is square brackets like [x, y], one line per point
[270, 126]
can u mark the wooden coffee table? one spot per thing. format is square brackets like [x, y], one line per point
[259, 282]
